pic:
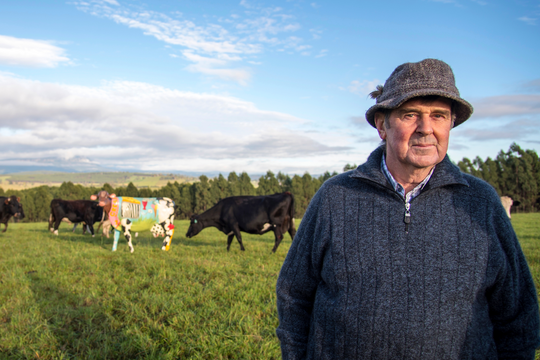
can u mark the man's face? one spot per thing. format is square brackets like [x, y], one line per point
[417, 135]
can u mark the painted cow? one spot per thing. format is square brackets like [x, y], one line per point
[128, 214]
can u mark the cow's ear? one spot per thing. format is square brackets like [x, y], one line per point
[93, 197]
[18, 199]
[7, 201]
[112, 196]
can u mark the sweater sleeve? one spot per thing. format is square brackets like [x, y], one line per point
[513, 304]
[298, 280]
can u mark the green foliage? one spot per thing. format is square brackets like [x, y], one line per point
[268, 184]
[515, 173]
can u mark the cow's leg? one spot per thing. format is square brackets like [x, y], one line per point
[90, 228]
[279, 236]
[116, 237]
[126, 226]
[5, 224]
[75, 226]
[56, 225]
[229, 240]
[236, 230]
[51, 221]
[292, 229]
[169, 232]
[106, 230]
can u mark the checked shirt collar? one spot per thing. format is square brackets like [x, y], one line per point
[398, 188]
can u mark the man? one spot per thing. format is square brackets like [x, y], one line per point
[406, 257]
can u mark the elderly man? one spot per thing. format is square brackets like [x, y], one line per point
[406, 257]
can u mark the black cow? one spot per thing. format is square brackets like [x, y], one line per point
[250, 214]
[76, 211]
[10, 206]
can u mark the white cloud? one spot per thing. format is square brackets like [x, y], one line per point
[363, 87]
[316, 34]
[514, 130]
[211, 66]
[528, 20]
[134, 125]
[30, 53]
[322, 53]
[506, 105]
[259, 28]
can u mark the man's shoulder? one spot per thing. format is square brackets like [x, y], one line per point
[345, 184]
[342, 180]
[480, 188]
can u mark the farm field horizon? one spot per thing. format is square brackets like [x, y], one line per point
[29, 180]
[70, 296]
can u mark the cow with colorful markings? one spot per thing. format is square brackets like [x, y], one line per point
[131, 214]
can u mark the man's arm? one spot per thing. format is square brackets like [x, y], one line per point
[298, 281]
[513, 300]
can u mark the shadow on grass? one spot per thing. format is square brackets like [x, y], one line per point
[74, 326]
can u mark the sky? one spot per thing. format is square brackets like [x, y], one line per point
[212, 86]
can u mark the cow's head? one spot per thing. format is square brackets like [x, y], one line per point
[12, 206]
[104, 200]
[21, 213]
[195, 226]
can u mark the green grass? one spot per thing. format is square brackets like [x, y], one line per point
[71, 297]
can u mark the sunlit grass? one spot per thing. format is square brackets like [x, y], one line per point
[71, 297]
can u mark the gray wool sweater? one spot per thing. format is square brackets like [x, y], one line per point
[454, 284]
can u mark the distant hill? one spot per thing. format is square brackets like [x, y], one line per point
[25, 180]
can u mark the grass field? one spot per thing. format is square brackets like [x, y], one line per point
[70, 297]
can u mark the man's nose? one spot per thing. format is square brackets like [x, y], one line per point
[424, 125]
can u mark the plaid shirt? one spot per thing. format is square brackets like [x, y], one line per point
[398, 188]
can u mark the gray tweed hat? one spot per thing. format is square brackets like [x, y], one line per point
[423, 78]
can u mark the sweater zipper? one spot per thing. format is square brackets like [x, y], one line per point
[407, 217]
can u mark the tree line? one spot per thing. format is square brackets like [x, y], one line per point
[515, 173]
[190, 198]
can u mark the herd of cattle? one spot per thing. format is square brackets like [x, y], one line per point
[232, 215]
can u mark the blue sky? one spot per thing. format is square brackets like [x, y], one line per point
[206, 86]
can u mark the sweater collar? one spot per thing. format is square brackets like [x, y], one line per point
[445, 172]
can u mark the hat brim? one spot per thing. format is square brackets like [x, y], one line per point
[463, 109]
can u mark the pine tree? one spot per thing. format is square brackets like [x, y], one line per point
[132, 190]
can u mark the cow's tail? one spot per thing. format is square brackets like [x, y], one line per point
[291, 228]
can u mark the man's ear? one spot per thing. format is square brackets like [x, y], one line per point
[379, 123]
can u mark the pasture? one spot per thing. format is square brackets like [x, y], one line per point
[70, 297]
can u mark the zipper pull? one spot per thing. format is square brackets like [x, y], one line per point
[407, 218]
